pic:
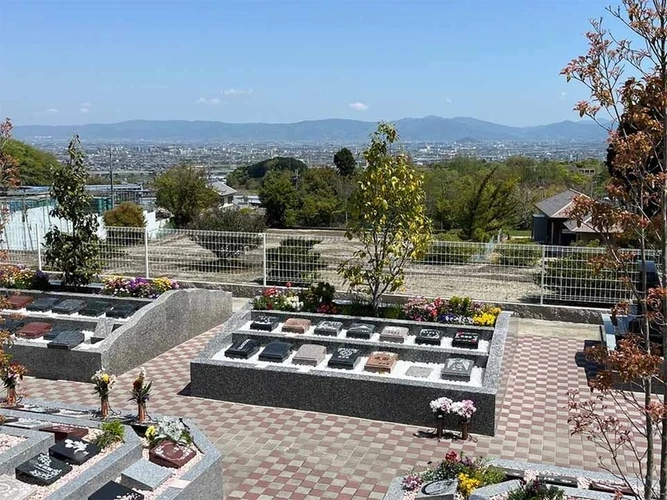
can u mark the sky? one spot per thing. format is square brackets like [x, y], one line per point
[105, 61]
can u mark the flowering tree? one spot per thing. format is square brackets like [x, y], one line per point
[630, 85]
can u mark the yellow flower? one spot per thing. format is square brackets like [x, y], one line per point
[105, 378]
[467, 485]
[150, 433]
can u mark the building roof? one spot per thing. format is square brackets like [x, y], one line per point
[558, 205]
[221, 188]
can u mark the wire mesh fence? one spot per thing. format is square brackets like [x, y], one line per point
[484, 271]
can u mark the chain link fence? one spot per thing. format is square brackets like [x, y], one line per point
[485, 271]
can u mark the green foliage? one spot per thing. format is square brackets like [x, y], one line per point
[518, 255]
[345, 162]
[317, 296]
[294, 261]
[321, 197]
[536, 490]
[169, 429]
[251, 176]
[129, 215]
[73, 253]
[387, 215]
[279, 198]
[237, 231]
[450, 252]
[113, 431]
[184, 191]
[34, 165]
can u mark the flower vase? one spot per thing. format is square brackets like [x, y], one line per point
[141, 412]
[11, 396]
[104, 407]
[464, 428]
[439, 423]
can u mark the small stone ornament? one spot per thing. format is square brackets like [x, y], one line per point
[428, 336]
[243, 349]
[264, 323]
[361, 331]
[74, 451]
[329, 328]
[296, 325]
[169, 454]
[114, 491]
[466, 340]
[42, 470]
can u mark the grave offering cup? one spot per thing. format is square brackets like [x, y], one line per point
[34, 330]
[12, 489]
[428, 336]
[61, 432]
[122, 311]
[42, 470]
[381, 362]
[310, 354]
[346, 358]
[104, 407]
[68, 339]
[276, 351]
[113, 490]
[243, 349]
[458, 369]
[74, 451]
[361, 331]
[264, 323]
[68, 306]
[394, 334]
[169, 454]
[95, 308]
[42, 304]
[296, 325]
[466, 340]
[19, 301]
[329, 328]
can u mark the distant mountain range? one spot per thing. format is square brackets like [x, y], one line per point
[427, 129]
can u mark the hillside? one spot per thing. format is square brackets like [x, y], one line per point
[34, 164]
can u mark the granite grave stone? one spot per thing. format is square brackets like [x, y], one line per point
[34, 330]
[113, 490]
[361, 331]
[68, 339]
[243, 349]
[68, 306]
[61, 431]
[466, 340]
[439, 490]
[144, 475]
[10, 324]
[394, 334]
[169, 454]
[95, 308]
[310, 354]
[329, 328]
[264, 323]
[12, 489]
[74, 451]
[19, 301]
[381, 362]
[276, 351]
[296, 325]
[345, 357]
[419, 371]
[458, 369]
[42, 304]
[428, 336]
[122, 311]
[42, 470]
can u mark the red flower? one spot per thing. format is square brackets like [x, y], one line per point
[452, 456]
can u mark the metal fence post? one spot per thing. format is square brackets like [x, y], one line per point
[38, 237]
[544, 270]
[146, 252]
[264, 258]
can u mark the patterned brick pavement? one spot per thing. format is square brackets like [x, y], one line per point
[282, 453]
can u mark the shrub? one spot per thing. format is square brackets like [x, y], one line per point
[294, 261]
[521, 255]
[12, 276]
[319, 298]
[535, 489]
[451, 252]
[169, 429]
[125, 215]
[112, 432]
[149, 288]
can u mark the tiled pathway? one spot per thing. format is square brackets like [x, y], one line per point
[281, 453]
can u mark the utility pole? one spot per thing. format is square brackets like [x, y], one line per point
[111, 179]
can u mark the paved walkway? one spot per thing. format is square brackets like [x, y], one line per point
[282, 453]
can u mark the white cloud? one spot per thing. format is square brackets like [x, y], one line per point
[358, 106]
[562, 96]
[52, 110]
[84, 110]
[236, 92]
[86, 105]
[203, 100]
[448, 100]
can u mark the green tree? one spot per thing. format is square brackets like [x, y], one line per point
[487, 206]
[73, 253]
[388, 217]
[279, 198]
[235, 231]
[345, 162]
[125, 215]
[34, 165]
[321, 197]
[251, 176]
[184, 191]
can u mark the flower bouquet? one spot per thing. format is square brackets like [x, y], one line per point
[104, 383]
[140, 393]
[465, 410]
[12, 373]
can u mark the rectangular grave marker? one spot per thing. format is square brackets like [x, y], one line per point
[95, 308]
[34, 330]
[466, 340]
[19, 301]
[243, 349]
[12, 489]
[329, 328]
[419, 371]
[168, 454]
[62, 431]
[25, 423]
[428, 336]
[144, 475]
[345, 357]
[276, 351]
[42, 304]
[10, 324]
[439, 490]
[296, 325]
[310, 354]
[458, 369]
[122, 311]
[113, 490]
[361, 331]
[42, 470]
[68, 306]
[68, 339]
[264, 323]
[394, 334]
[381, 362]
[74, 451]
